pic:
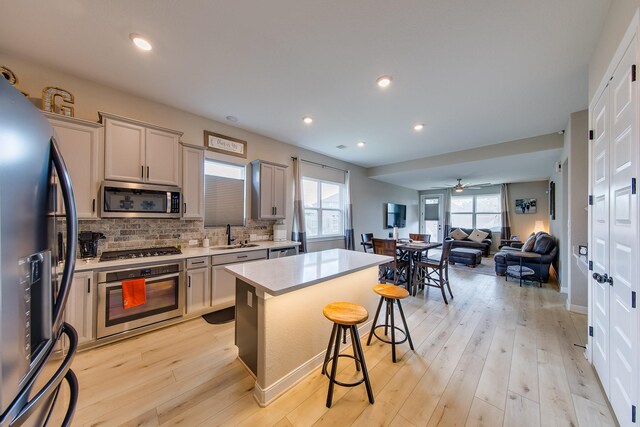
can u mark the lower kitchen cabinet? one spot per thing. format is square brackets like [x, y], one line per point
[198, 290]
[223, 284]
[79, 309]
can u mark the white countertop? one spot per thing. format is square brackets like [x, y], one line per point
[189, 252]
[281, 275]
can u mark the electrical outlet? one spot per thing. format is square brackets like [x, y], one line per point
[193, 242]
[249, 299]
[391, 234]
[253, 237]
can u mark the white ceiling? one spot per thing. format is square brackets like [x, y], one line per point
[474, 72]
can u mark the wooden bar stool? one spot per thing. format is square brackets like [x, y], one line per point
[391, 294]
[345, 316]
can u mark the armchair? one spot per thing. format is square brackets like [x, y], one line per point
[545, 245]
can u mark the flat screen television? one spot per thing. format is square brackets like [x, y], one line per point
[396, 215]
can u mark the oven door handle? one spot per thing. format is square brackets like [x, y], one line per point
[147, 279]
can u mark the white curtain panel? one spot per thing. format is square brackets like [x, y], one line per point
[299, 230]
[349, 239]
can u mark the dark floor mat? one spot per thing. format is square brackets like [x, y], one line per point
[221, 316]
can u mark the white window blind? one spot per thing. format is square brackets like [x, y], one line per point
[224, 194]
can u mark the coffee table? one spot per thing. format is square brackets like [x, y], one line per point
[520, 271]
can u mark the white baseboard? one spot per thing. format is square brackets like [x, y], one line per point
[580, 309]
[265, 396]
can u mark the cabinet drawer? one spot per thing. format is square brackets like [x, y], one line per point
[199, 262]
[238, 257]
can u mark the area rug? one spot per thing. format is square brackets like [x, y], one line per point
[487, 267]
[221, 316]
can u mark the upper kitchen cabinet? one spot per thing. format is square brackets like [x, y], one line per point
[79, 142]
[192, 182]
[268, 194]
[135, 151]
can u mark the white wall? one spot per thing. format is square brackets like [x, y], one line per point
[369, 195]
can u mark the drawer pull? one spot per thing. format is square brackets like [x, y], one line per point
[242, 256]
[197, 262]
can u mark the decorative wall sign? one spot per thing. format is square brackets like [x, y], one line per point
[225, 144]
[9, 75]
[49, 95]
[526, 206]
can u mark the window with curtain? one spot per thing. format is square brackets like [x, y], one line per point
[224, 194]
[323, 208]
[476, 211]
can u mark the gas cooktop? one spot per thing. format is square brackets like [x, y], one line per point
[139, 253]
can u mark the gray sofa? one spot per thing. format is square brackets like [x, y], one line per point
[545, 245]
[484, 246]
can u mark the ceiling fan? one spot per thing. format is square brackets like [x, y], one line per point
[459, 187]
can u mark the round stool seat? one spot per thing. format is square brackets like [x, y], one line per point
[390, 291]
[345, 313]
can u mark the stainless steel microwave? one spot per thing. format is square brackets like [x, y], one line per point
[131, 200]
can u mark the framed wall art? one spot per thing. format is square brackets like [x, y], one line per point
[526, 206]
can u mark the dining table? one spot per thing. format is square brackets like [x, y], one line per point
[415, 251]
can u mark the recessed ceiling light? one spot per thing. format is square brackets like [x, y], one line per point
[418, 127]
[140, 42]
[384, 81]
[361, 144]
[233, 119]
[308, 120]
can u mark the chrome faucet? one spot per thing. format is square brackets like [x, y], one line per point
[229, 239]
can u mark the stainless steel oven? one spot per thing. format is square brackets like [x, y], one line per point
[132, 200]
[164, 298]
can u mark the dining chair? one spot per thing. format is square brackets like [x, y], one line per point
[434, 273]
[367, 245]
[395, 271]
[420, 237]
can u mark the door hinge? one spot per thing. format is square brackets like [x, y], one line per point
[633, 73]
[590, 200]
[590, 135]
[590, 265]
[633, 413]
[590, 331]
[633, 299]
[633, 186]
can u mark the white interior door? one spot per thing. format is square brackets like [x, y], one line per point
[600, 236]
[430, 222]
[623, 252]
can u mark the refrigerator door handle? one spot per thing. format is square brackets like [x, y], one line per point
[52, 385]
[72, 235]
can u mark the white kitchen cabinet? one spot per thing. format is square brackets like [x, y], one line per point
[268, 194]
[198, 285]
[223, 284]
[135, 151]
[79, 309]
[192, 182]
[79, 142]
[161, 149]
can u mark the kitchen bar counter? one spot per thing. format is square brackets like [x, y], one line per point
[189, 252]
[279, 276]
[281, 332]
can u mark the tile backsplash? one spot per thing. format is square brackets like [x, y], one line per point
[132, 233]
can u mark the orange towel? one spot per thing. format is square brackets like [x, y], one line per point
[134, 293]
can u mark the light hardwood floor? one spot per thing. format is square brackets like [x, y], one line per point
[498, 354]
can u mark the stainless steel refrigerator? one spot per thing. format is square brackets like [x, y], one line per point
[32, 298]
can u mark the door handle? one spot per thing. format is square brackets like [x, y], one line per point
[607, 278]
[598, 278]
[88, 286]
[185, 208]
[142, 171]
[147, 172]
[189, 281]
[93, 205]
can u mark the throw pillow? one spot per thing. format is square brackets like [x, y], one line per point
[478, 236]
[458, 234]
[528, 244]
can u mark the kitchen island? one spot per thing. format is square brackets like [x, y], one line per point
[281, 332]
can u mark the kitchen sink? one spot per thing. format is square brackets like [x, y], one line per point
[237, 246]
